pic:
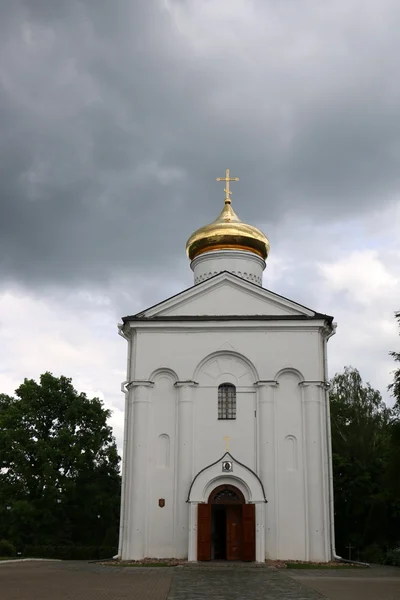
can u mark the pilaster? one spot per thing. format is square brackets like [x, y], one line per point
[186, 390]
[192, 552]
[260, 532]
[137, 489]
[313, 395]
[267, 462]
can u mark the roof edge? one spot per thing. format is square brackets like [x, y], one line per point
[217, 275]
[204, 318]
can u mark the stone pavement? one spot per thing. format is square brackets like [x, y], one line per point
[376, 583]
[73, 580]
[240, 584]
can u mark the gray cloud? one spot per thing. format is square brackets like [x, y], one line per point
[115, 120]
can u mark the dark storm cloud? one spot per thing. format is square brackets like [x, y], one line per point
[116, 118]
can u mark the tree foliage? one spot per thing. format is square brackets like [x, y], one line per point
[367, 509]
[394, 388]
[59, 477]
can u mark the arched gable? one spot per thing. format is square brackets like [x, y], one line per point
[226, 366]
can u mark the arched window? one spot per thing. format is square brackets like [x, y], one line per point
[226, 401]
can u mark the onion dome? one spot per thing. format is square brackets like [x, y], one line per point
[227, 232]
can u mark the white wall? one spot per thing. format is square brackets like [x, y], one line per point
[290, 356]
[209, 432]
[269, 350]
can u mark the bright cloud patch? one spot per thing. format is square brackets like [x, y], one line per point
[368, 293]
[363, 276]
[39, 335]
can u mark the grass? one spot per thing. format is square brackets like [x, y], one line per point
[121, 564]
[290, 565]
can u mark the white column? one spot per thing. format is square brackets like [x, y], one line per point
[267, 461]
[312, 399]
[184, 465]
[137, 491]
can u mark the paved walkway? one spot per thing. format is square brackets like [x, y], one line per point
[376, 583]
[81, 581]
[73, 580]
[240, 584]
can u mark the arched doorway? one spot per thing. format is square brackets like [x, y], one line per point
[226, 526]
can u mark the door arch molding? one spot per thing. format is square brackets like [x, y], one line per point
[241, 476]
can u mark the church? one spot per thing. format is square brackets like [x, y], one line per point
[227, 446]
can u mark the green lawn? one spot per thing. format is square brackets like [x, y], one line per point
[140, 565]
[322, 566]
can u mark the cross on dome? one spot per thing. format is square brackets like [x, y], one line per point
[227, 179]
[228, 232]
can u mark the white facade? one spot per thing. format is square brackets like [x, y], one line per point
[227, 330]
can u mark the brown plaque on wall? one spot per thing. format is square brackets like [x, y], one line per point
[161, 502]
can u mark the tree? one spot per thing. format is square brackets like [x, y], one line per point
[59, 466]
[365, 508]
[394, 388]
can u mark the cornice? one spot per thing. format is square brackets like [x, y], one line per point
[223, 317]
[317, 383]
[188, 383]
[266, 383]
[216, 324]
[139, 383]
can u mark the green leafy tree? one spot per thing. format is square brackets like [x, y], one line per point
[394, 388]
[365, 509]
[59, 466]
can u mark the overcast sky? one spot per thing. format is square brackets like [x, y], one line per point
[117, 117]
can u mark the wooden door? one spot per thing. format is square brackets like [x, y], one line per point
[248, 532]
[233, 531]
[204, 532]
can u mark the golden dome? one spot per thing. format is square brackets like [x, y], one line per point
[227, 232]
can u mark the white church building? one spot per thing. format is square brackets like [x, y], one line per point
[227, 448]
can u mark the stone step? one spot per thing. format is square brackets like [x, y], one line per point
[225, 564]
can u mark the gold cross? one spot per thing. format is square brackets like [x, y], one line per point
[227, 191]
[227, 438]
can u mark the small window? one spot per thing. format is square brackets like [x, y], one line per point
[226, 401]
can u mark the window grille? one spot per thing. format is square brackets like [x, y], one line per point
[226, 401]
[228, 495]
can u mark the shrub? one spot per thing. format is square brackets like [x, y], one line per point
[373, 554]
[392, 557]
[7, 549]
